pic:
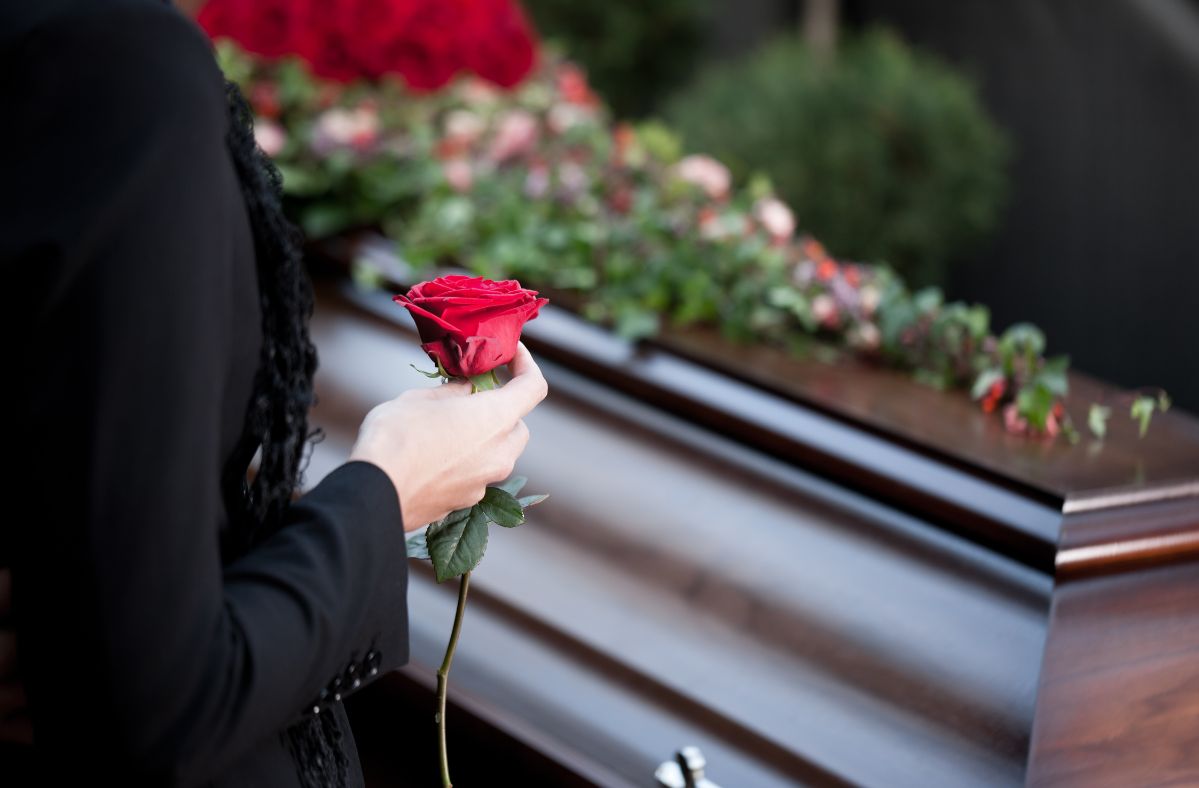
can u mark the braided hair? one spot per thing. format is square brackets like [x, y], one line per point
[277, 415]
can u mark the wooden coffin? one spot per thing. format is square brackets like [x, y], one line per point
[819, 574]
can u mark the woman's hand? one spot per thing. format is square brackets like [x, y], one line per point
[443, 446]
[15, 724]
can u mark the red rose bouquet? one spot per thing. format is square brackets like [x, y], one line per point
[469, 326]
[427, 42]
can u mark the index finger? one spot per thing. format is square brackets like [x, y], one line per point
[527, 386]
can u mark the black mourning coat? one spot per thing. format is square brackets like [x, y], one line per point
[131, 332]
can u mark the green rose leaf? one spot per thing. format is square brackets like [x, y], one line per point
[532, 500]
[514, 485]
[456, 543]
[984, 381]
[418, 547]
[1097, 418]
[502, 508]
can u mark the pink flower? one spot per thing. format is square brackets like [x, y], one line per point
[706, 173]
[345, 128]
[270, 136]
[515, 135]
[463, 126]
[537, 182]
[1012, 420]
[574, 179]
[776, 217]
[824, 309]
[458, 174]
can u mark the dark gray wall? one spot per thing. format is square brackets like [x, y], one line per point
[1101, 241]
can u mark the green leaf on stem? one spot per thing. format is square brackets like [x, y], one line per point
[502, 508]
[457, 542]
[514, 485]
[1097, 418]
[418, 547]
[532, 500]
[1052, 375]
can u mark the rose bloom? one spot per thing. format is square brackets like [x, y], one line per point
[470, 325]
[345, 128]
[270, 136]
[776, 218]
[824, 309]
[464, 126]
[458, 174]
[707, 173]
[515, 135]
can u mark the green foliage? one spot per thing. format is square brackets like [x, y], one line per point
[635, 52]
[885, 153]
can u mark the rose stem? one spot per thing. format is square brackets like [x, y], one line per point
[443, 679]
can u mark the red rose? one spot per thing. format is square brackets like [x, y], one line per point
[498, 43]
[470, 325]
[265, 27]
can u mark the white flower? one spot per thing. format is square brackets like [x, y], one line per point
[463, 126]
[563, 117]
[707, 173]
[865, 336]
[776, 217]
[868, 299]
[824, 309]
[343, 128]
[270, 136]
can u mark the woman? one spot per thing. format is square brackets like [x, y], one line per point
[174, 624]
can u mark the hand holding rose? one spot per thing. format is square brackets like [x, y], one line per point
[442, 447]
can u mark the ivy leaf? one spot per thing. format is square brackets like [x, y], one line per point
[418, 547]
[532, 500]
[456, 543]
[502, 508]
[1142, 411]
[1052, 375]
[984, 381]
[1097, 418]
[514, 485]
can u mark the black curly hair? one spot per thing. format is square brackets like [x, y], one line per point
[276, 421]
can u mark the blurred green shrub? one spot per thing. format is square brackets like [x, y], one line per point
[635, 52]
[885, 153]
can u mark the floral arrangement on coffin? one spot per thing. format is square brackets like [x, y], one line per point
[532, 180]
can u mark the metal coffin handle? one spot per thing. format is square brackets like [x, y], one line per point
[685, 771]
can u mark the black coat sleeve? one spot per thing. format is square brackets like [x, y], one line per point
[140, 651]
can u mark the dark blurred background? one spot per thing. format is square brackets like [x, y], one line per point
[1097, 238]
